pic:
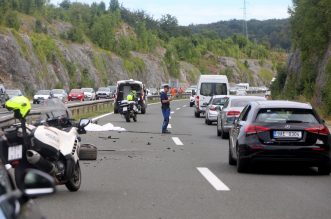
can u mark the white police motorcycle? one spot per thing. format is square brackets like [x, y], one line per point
[44, 147]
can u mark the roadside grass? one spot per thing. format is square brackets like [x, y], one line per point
[91, 115]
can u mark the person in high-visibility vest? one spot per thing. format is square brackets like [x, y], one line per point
[131, 96]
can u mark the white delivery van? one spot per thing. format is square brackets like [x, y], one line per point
[208, 86]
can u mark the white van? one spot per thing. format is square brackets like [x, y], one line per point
[208, 86]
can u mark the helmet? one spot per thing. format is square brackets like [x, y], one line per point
[20, 105]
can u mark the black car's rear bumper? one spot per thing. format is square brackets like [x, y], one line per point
[302, 155]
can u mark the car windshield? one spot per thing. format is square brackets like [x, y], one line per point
[219, 101]
[76, 91]
[87, 89]
[240, 102]
[43, 92]
[13, 92]
[286, 116]
[211, 89]
[57, 91]
[103, 89]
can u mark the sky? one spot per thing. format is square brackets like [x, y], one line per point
[205, 11]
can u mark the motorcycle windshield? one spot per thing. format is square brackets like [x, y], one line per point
[55, 108]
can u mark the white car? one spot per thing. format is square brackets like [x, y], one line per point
[41, 96]
[60, 94]
[89, 93]
[214, 106]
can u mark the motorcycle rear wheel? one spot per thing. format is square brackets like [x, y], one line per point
[127, 117]
[74, 183]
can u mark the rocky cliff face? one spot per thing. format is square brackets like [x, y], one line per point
[29, 63]
[295, 73]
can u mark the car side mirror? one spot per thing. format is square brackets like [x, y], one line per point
[37, 183]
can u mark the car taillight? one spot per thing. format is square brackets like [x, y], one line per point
[254, 129]
[320, 130]
[197, 98]
[233, 113]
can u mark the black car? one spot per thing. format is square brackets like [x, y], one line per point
[16, 203]
[280, 131]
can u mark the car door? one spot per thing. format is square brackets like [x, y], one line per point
[235, 131]
[224, 111]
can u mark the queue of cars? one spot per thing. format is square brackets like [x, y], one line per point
[261, 130]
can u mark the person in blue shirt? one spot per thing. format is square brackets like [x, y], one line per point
[165, 102]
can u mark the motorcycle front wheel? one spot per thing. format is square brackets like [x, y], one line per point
[73, 184]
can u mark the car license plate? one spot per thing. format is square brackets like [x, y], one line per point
[125, 109]
[15, 152]
[287, 134]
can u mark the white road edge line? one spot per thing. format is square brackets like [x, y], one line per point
[212, 179]
[102, 116]
[177, 141]
[169, 126]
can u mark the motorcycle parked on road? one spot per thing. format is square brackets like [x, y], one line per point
[129, 110]
[44, 147]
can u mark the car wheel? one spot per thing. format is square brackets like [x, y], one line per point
[324, 169]
[242, 164]
[197, 114]
[208, 122]
[232, 161]
[224, 134]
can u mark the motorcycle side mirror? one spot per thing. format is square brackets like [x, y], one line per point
[37, 183]
[83, 123]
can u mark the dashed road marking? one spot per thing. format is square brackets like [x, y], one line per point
[212, 179]
[169, 126]
[172, 112]
[177, 141]
[178, 109]
[184, 106]
[169, 117]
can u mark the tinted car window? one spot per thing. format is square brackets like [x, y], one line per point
[43, 92]
[244, 114]
[206, 89]
[211, 89]
[219, 101]
[220, 89]
[240, 102]
[286, 116]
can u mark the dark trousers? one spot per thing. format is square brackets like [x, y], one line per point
[166, 115]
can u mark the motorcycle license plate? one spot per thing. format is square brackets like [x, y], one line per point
[15, 152]
[125, 109]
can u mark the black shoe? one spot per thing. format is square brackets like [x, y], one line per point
[166, 132]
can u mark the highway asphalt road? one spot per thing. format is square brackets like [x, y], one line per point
[143, 174]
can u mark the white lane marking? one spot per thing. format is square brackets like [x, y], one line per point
[102, 116]
[178, 109]
[172, 112]
[150, 104]
[184, 106]
[212, 179]
[169, 126]
[169, 117]
[177, 141]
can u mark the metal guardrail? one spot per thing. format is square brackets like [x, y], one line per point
[76, 108]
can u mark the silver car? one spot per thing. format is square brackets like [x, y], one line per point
[231, 110]
[89, 93]
[61, 94]
[214, 106]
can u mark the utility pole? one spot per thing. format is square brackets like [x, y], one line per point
[245, 28]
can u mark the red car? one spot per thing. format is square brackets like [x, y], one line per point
[76, 94]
